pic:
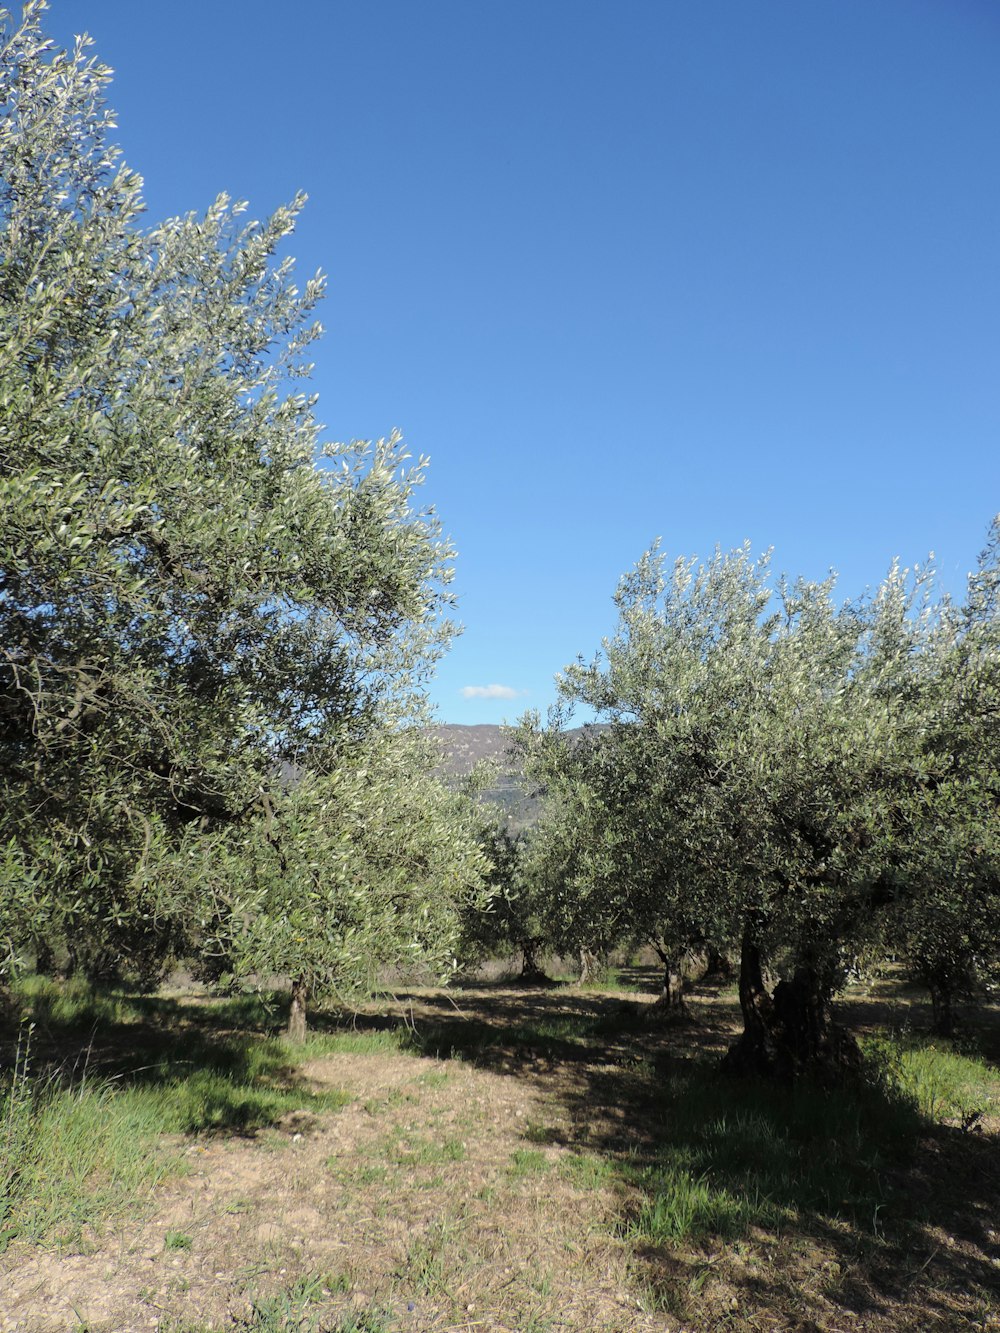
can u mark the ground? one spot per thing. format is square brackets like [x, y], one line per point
[493, 1158]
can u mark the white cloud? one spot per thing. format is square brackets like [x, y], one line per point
[490, 692]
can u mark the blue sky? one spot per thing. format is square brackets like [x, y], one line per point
[699, 269]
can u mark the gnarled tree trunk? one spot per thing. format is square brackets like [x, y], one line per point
[297, 1013]
[530, 970]
[789, 1033]
[588, 966]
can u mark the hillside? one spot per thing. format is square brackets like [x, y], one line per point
[466, 746]
[463, 747]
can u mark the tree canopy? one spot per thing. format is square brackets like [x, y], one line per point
[195, 591]
[810, 782]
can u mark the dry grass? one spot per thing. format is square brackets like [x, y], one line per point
[494, 1177]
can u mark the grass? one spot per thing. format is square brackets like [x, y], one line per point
[363, 1321]
[348, 1041]
[732, 1156]
[291, 1309]
[558, 1037]
[585, 1171]
[528, 1162]
[944, 1084]
[411, 1149]
[75, 1146]
[428, 1254]
[680, 1206]
[81, 1140]
[87, 1152]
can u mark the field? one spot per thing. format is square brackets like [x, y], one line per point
[488, 1158]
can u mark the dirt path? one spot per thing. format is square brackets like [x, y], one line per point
[426, 1194]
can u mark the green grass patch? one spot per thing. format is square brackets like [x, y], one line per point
[538, 1133]
[944, 1084]
[81, 1129]
[528, 1162]
[618, 981]
[586, 1172]
[363, 1321]
[731, 1155]
[427, 1255]
[356, 1041]
[679, 1206]
[414, 1150]
[437, 1078]
[366, 1175]
[75, 1005]
[84, 1153]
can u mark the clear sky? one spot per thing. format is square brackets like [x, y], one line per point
[700, 269]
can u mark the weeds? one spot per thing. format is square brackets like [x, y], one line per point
[80, 1144]
[363, 1321]
[536, 1133]
[426, 1257]
[735, 1155]
[528, 1162]
[585, 1172]
[943, 1084]
[18, 1128]
[680, 1206]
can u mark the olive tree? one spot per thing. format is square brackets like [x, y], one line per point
[947, 923]
[649, 789]
[194, 589]
[364, 872]
[602, 847]
[762, 739]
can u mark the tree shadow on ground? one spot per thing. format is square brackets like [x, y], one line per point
[514, 1030]
[803, 1202]
[215, 1068]
[824, 1205]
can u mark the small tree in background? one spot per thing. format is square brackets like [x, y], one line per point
[366, 871]
[515, 918]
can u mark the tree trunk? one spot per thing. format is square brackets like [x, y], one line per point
[942, 1010]
[718, 966]
[297, 1013]
[670, 1002]
[530, 970]
[588, 967]
[790, 1033]
[45, 959]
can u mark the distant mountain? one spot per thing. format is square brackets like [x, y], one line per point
[463, 747]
